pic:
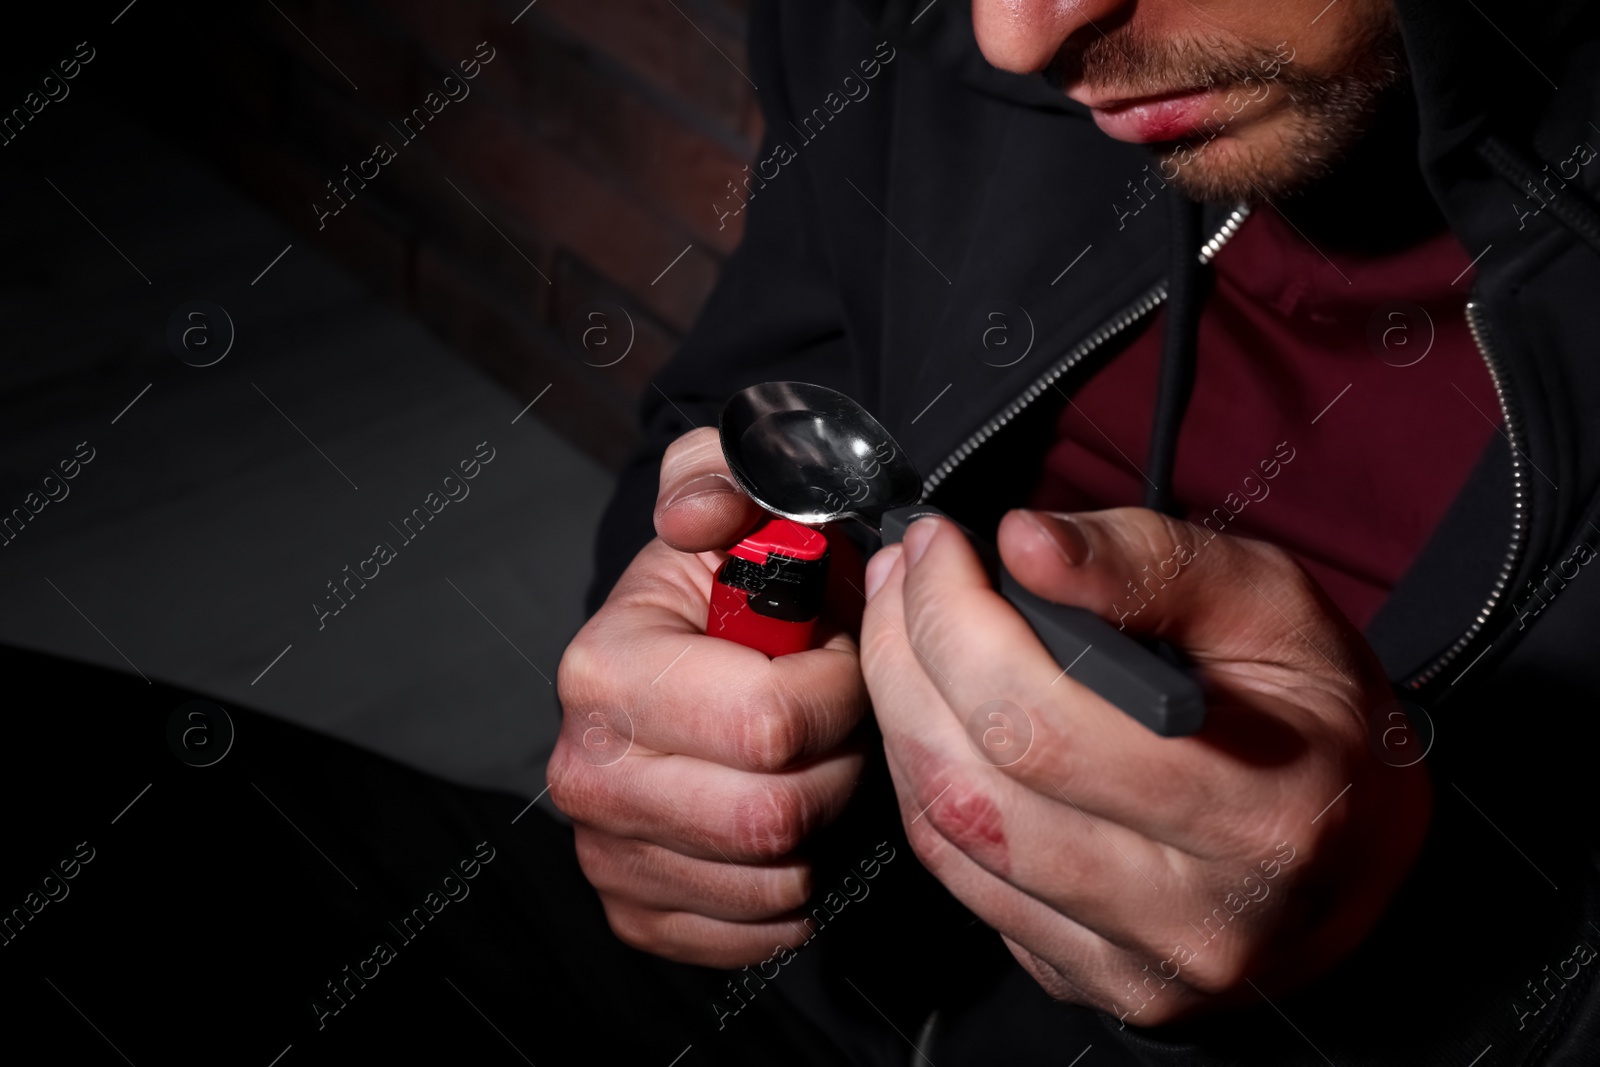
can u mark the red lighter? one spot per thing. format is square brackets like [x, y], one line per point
[769, 593]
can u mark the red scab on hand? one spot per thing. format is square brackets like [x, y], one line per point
[973, 823]
[956, 808]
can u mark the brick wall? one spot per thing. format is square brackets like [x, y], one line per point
[593, 143]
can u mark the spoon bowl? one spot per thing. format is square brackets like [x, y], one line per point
[813, 455]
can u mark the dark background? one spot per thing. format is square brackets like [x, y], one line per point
[596, 142]
[370, 358]
[367, 359]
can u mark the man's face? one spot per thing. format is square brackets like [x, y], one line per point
[1241, 99]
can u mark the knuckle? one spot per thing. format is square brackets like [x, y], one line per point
[634, 926]
[1277, 565]
[769, 736]
[926, 844]
[759, 894]
[767, 822]
[591, 849]
[966, 816]
[1165, 534]
[659, 575]
[581, 676]
[789, 890]
[574, 786]
[879, 641]
[1217, 972]
[596, 856]
[564, 791]
[1058, 984]
[1300, 587]
[928, 826]
[927, 605]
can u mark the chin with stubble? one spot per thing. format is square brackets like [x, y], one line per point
[1233, 121]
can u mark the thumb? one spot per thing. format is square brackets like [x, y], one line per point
[699, 506]
[1209, 593]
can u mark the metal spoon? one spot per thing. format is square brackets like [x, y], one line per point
[813, 455]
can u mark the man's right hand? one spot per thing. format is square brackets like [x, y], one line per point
[693, 767]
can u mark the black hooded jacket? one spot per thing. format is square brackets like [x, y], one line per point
[994, 184]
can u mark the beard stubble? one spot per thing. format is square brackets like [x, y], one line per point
[1325, 117]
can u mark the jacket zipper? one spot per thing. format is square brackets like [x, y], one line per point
[1478, 325]
[1152, 298]
[1142, 306]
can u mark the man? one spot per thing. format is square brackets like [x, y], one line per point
[1308, 282]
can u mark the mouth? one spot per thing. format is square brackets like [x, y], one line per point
[1170, 116]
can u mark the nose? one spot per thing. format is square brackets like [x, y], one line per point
[1022, 36]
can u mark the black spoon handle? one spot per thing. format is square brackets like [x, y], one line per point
[1113, 665]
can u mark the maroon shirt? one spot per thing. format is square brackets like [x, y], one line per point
[1322, 420]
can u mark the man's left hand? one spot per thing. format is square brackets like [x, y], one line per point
[1153, 878]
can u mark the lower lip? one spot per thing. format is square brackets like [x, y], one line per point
[1169, 118]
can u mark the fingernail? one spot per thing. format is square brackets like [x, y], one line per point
[700, 486]
[917, 538]
[1064, 534]
[878, 569]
